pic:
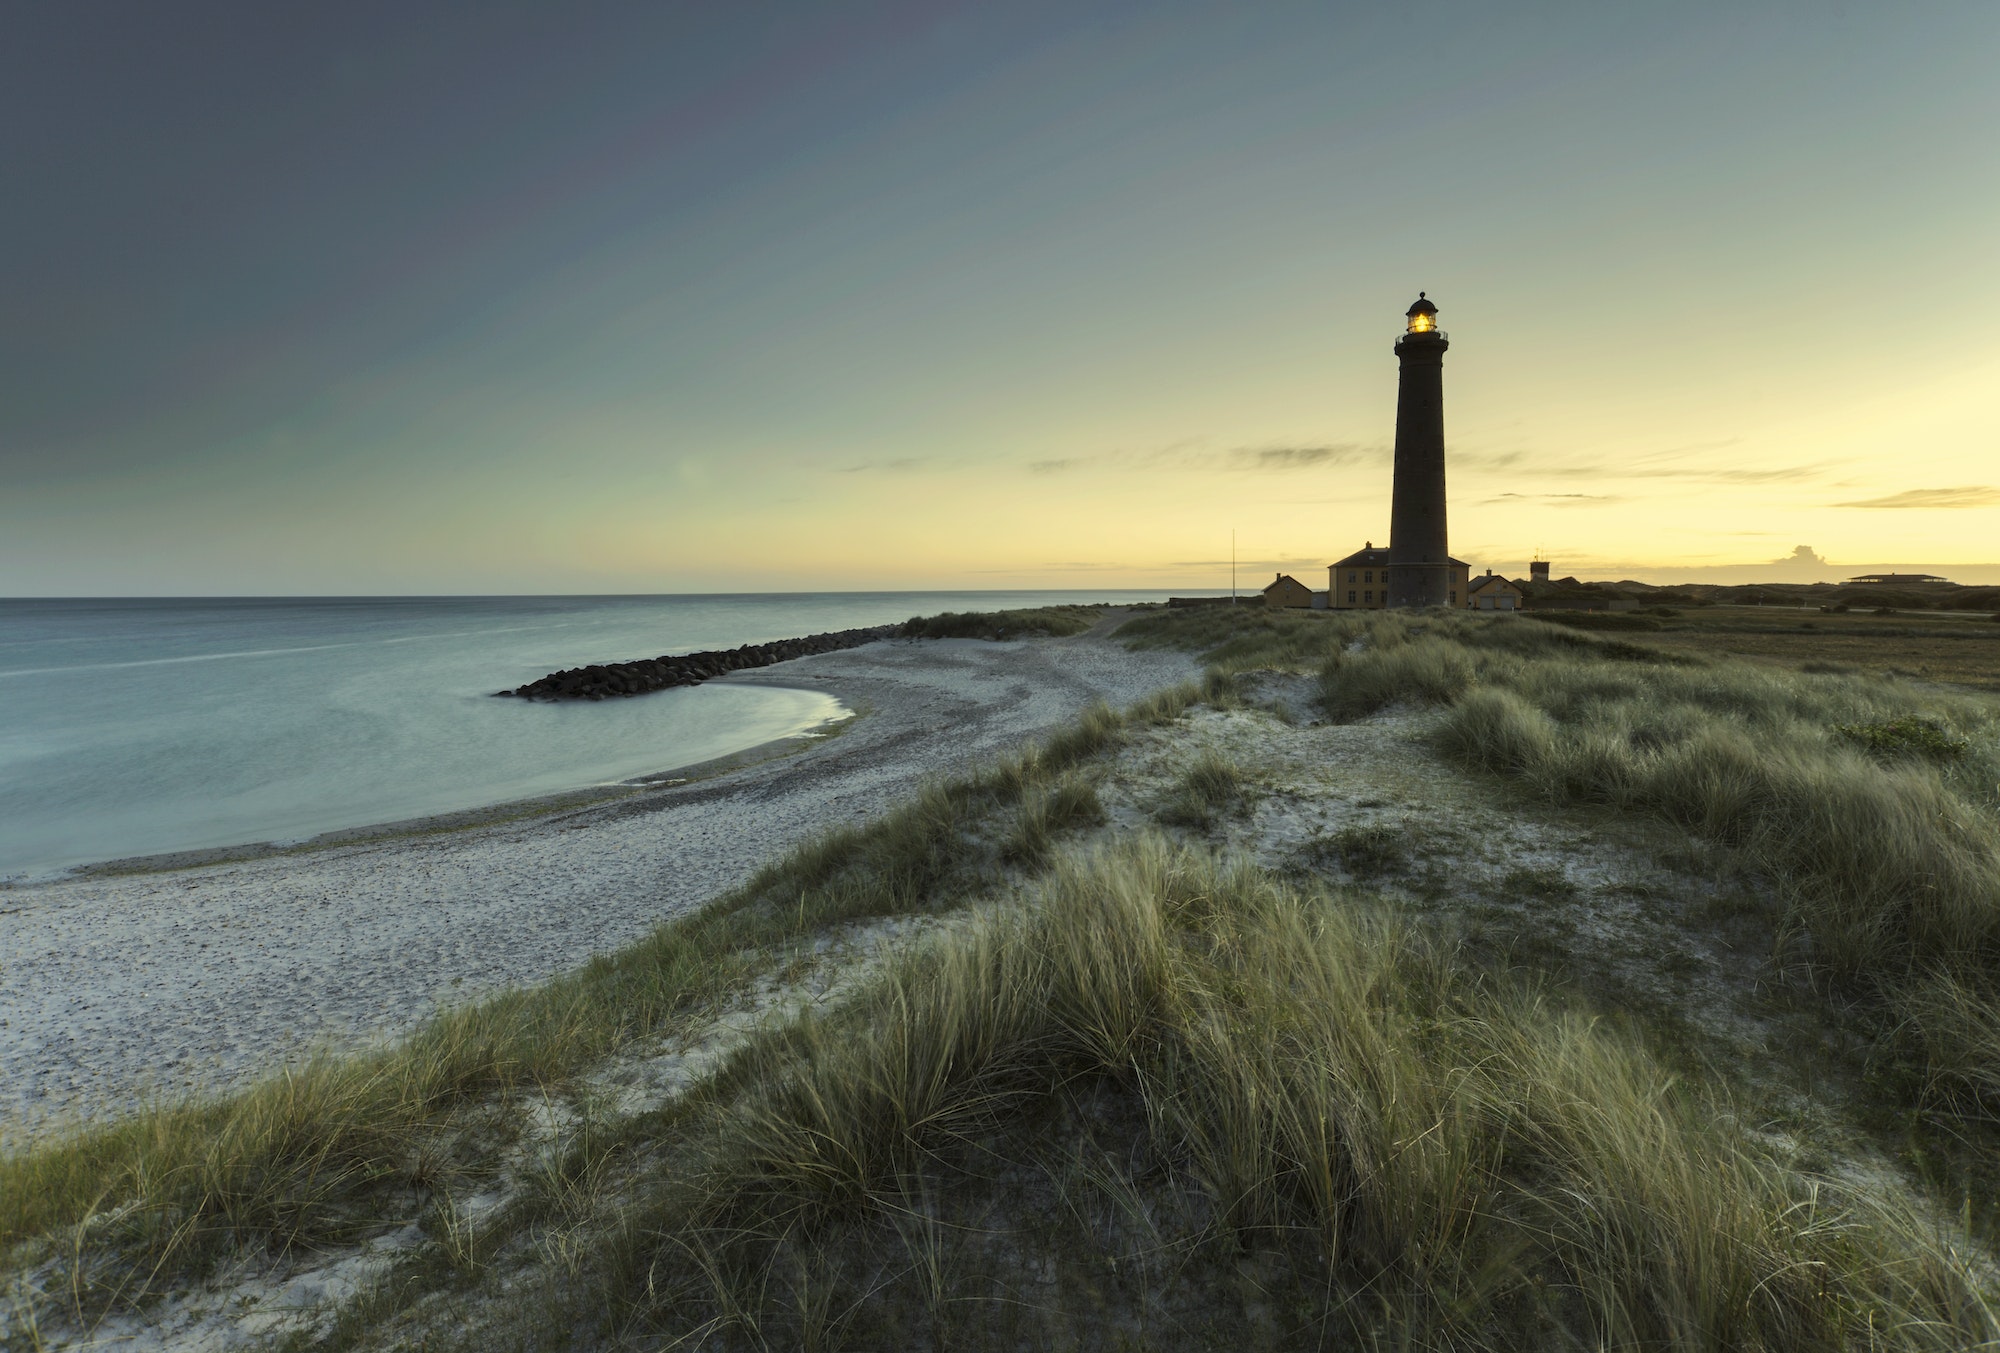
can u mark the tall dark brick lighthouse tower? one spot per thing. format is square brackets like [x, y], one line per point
[1419, 561]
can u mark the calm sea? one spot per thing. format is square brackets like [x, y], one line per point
[132, 727]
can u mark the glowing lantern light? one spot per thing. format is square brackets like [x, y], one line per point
[1423, 316]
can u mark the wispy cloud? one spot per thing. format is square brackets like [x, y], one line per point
[1292, 457]
[901, 465]
[1240, 459]
[1780, 475]
[1555, 499]
[1061, 566]
[1969, 495]
[1660, 465]
[1248, 567]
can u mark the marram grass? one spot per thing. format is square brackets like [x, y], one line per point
[1873, 806]
[1174, 1104]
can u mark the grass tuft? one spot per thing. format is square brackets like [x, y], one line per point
[1365, 850]
[1046, 814]
[1212, 788]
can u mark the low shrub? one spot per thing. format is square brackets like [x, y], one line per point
[1001, 625]
[1595, 620]
[1365, 850]
[1910, 735]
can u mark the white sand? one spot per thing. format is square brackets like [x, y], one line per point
[116, 988]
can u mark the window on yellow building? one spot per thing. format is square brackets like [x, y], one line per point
[1350, 598]
[1371, 576]
[1368, 597]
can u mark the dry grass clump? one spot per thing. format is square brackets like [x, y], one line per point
[1393, 669]
[1235, 639]
[1177, 1105]
[1211, 788]
[1045, 814]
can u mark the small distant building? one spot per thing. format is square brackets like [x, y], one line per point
[1898, 578]
[1538, 570]
[1287, 593]
[1491, 592]
[1360, 582]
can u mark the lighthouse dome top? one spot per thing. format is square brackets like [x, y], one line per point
[1423, 316]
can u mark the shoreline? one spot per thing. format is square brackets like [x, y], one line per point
[503, 812]
[185, 976]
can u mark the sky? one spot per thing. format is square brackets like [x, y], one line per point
[499, 298]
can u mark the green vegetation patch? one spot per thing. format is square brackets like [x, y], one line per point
[1910, 735]
[1363, 850]
[998, 625]
[1595, 620]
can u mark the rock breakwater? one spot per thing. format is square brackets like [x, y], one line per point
[609, 681]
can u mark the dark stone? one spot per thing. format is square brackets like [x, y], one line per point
[620, 679]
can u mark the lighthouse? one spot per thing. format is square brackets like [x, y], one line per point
[1420, 563]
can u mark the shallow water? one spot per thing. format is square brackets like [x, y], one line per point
[132, 727]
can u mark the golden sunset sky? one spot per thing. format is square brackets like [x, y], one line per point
[713, 298]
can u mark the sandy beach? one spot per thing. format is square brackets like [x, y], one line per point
[118, 987]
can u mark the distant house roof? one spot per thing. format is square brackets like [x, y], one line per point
[1371, 557]
[1486, 580]
[1284, 578]
[1897, 578]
